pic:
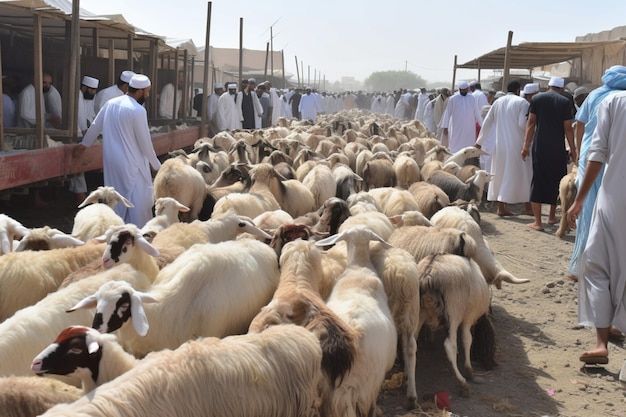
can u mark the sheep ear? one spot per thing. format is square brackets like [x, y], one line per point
[182, 207]
[101, 238]
[91, 198]
[137, 313]
[397, 220]
[374, 237]
[329, 240]
[249, 227]
[470, 179]
[92, 345]
[147, 247]
[66, 240]
[85, 304]
[123, 200]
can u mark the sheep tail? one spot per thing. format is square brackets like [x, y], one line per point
[432, 298]
[484, 343]
[338, 347]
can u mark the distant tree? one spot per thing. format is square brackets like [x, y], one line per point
[393, 80]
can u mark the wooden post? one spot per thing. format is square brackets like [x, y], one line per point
[454, 75]
[73, 73]
[282, 59]
[478, 71]
[204, 120]
[38, 82]
[130, 53]
[240, 52]
[154, 58]
[1, 105]
[96, 42]
[175, 82]
[112, 75]
[184, 97]
[308, 67]
[507, 61]
[267, 54]
[272, 55]
[298, 71]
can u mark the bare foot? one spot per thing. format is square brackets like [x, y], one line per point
[535, 226]
[572, 277]
[553, 221]
[599, 351]
[505, 213]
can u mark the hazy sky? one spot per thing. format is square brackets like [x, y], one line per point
[355, 38]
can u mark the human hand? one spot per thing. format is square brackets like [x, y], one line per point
[572, 214]
[524, 154]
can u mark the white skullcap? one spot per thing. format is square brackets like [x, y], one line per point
[531, 88]
[232, 86]
[251, 80]
[557, 82]
[473, 83]
[90, 82]
[463, 85]
[139, 81]
[500, 94]
[307, 88]
[126, 76]
[218, 85]
[580, 91]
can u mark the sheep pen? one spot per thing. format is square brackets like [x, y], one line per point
[537, 334]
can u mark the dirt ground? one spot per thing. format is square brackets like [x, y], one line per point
[537, 334]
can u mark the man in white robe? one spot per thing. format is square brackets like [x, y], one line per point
[460, 118]
[402, 106]
[285, 108]
[86, 114]
[51, 105]
[309, 105]
[118, 89]
[127, 150]
[275, 100]
[389, 104]
[211, 108]
[512, 175]
[422, 101]
[479, 95]
[601, 291]
[166, 99]
[229, 116]
[440, 107]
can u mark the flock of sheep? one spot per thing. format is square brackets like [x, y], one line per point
[281, 274]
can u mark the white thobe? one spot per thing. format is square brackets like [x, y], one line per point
[602, 296]
[422, 100]
[276, 103]
[50, 105]
[512, 176]
[285, 107]
[429, 116]
[309, 107]
[481, 99]
[86, 114]
[53, 105]
[127, 154]
[378, 104]
[166, 101]
[211, 112]
[105, 95]
[229, 115]
[8, 111]
[389, 105]
[460, 118]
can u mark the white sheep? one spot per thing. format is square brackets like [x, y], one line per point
[166, 211]
[209, 290]
[27, 277]
[492, 270]
[31, 329]
[377, 222]
[454, 294]
[174, 383]
[96, 214]
[29, 396]
[430, 167]
[394, 201]
[46, 238]
[291, 195]
[297, 301]
[84, 353]
[429, 198]
[182, 182]
[464, 154]
[321, 182]
[407, 170]
[257, 200]
[359, 299]
[10, 230]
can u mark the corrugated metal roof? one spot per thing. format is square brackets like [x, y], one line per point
[530, 55]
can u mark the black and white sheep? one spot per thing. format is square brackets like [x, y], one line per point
[174, 383]
[456, 189]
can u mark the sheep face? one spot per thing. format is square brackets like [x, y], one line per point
[121, 243]
[75, 351]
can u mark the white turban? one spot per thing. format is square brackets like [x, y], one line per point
[557, 82]
[90, 82]
[139, 81]
[463, 85]
[531, 88]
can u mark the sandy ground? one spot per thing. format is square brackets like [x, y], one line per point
[538, 340]
[537, 334]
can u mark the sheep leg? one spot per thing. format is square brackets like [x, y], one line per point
[450, 347]
[467, 345]
[409, 353]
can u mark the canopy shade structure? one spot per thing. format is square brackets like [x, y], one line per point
[530, 55]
